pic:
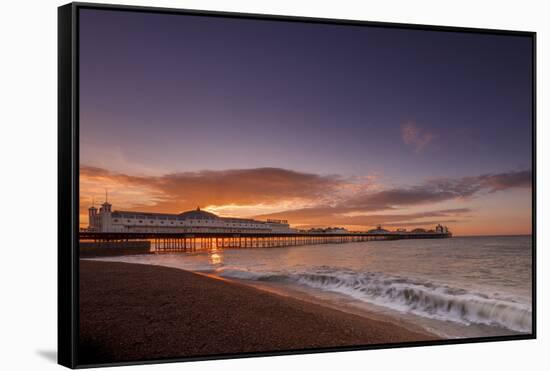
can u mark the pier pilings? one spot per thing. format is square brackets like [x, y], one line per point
[190, 242]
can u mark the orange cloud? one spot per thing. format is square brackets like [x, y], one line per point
[340, 217]
[305, 199]
[178, 192]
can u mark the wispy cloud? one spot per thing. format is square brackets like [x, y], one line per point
[442, 189]
[303, 198]
[499, 182]
[412, 135]
[339, 216]
[359, 209]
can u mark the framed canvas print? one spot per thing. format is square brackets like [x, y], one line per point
[234, 185]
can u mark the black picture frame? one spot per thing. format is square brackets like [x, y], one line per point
[68, 181]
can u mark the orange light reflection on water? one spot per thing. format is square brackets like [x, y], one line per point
[215, 257]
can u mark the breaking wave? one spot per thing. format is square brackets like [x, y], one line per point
[404, 295]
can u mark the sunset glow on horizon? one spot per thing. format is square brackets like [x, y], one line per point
[311, 201]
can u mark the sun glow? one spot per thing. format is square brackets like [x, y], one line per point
[247, 211]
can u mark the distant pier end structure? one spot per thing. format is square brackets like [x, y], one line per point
[197, 228]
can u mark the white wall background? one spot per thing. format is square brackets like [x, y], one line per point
[28, 182]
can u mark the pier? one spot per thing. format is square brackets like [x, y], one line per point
[112, 231]
[188, 242]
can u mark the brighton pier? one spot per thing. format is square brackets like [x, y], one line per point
[199, 229]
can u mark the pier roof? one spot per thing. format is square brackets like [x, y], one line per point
[198, 214]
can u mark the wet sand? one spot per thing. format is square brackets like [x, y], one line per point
[133, 312]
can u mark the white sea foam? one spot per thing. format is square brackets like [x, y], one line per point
[404, 295]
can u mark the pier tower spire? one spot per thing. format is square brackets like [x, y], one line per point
[106, 206]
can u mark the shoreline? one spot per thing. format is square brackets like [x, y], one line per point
[132, 312]
[365, 310]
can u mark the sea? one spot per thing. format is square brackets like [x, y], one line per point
[460, 287]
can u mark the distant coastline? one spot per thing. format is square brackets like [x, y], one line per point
[495, 235]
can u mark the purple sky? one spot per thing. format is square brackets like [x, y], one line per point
[166, 93]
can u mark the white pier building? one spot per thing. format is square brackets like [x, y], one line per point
[194, 221]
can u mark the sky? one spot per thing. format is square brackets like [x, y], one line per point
[323, 125]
